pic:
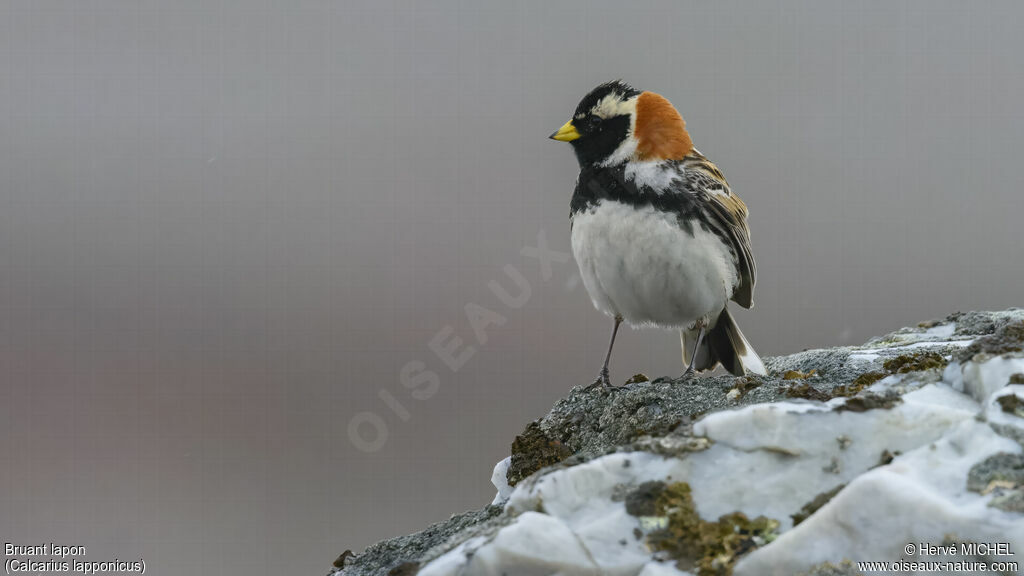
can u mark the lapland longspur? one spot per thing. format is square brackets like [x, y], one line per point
[659, 237]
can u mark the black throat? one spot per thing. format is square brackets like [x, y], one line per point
[598, 144]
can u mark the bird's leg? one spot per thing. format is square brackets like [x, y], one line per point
[603, 379]
[701, 325]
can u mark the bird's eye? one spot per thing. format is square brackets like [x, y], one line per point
[595, 122]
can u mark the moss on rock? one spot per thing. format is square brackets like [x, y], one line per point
[859, 383]
[811, 507]
[706, 548]
[805, 391]
[870, 401]
[637, 379]
[915, 362]
[798, 374]
[1011, 404]
[533, 450]
[903, 364]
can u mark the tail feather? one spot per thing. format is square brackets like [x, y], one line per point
[724, 344]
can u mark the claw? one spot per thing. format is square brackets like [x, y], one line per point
[603, 381]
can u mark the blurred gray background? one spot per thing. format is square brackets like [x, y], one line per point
[226, 226]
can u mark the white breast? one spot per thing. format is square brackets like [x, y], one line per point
[639, 264]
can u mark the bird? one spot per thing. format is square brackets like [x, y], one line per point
[659, 237]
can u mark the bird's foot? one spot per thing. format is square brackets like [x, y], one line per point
[688, 375]
[603, 382]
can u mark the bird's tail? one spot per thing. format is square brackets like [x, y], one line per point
[723, 343]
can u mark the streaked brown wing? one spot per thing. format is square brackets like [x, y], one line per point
[728, 214]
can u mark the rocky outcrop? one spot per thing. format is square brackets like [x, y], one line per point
[906, 449]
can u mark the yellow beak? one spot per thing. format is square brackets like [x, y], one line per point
[567, 133]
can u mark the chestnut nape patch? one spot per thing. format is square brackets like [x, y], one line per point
[660, 131]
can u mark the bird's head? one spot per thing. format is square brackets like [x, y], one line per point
[617, 123]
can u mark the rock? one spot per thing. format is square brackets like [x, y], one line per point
[1005, 411]
[1001, 468]
[837, 456]
[1007, 338]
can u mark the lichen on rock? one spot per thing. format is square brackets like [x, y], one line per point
[533, 450]
[999, 470]
[915, 362]
[805, 391]
[816, 503]
[858, 384]
[643, 501]
[1011, 403]
[870, 401]
[711, 548]
[744, 384]
[1005, 339]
